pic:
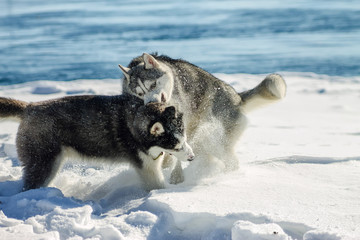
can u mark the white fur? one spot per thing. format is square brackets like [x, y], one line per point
[151, 171]
[181, 140]
[148, 84]
[139, 91]
[125, 71]
[183, 150]
[164, 85]
[255, 103]
[150, 61]
[278, 86]
[12, 119]
[186, 152]
[142, 86]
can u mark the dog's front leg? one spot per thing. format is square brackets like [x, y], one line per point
[151, 171]
[177, 175]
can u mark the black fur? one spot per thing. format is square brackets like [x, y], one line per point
[113, 128]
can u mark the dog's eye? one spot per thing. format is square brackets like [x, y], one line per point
[153, 86]
[140, 94]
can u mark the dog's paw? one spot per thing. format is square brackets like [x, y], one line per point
[176, 177]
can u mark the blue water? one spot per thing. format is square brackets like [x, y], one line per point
[76, 39]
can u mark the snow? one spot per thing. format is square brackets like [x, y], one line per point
[298, 177]
[243, 230]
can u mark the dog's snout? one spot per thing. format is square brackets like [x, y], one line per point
[190, 158]
[184, 151]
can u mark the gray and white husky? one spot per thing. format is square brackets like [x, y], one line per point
[114, 128]
[213, 111]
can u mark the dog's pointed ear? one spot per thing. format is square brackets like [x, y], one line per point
[150, 61]
[157, 129]
[125, 71]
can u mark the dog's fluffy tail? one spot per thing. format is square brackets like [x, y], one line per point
[271, 89]
[11, 108]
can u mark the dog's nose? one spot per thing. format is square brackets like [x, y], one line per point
[191, 157]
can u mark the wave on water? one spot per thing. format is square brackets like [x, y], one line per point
[87, 39]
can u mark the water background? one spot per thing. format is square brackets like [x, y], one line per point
[86, 39]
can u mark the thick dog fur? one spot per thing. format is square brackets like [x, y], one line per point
[213, 111]
[114, 128]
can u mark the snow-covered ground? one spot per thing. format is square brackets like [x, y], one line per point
[299, 176]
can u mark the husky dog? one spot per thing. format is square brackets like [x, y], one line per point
[213, 111]
[114, 128]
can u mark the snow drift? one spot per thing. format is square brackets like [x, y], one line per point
[299, 158]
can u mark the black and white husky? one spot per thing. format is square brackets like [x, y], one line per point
[213, 111]
[115, 128]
